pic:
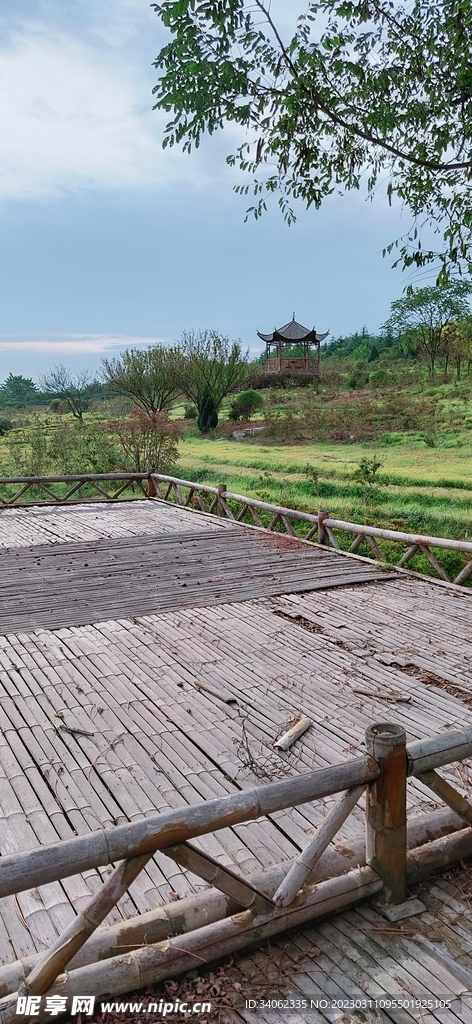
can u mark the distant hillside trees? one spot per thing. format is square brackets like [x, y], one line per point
[146, 376]
[424, 316]
[18, 391]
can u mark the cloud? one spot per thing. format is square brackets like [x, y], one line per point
[75, 113]
[74, 344]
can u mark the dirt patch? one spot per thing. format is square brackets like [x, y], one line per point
[311, 627]
[431, 679]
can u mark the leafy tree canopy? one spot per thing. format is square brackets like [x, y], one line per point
[18, 390]
[145, 375]
[423, 316]
[206, 368]
[366, 92]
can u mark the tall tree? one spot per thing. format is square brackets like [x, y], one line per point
[458, 337]
[424, 315]
[70, 386]
[144, 375]
[364, 91]
[18, 390]
[206, 368]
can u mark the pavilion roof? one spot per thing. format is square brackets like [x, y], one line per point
[293, 332]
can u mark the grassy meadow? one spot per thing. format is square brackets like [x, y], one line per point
[417, 440]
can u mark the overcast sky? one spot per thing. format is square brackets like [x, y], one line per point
[109, 241]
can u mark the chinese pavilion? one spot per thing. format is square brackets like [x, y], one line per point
[282, 341]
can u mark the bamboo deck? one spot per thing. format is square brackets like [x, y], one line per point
[184, 699]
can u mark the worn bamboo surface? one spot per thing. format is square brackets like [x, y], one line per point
[357, 955]
[23, 527]
[73, 584]
[185, 705]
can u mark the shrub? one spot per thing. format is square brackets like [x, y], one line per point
[147, 441]
[190, 411]
[378, 377]
[282, 379]
[358, 376]
[81, 449]
[5, 426]
[245, 404]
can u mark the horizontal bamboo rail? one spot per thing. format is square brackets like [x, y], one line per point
[243, 509]
[195, 911]
[277, 903]
[21, 871]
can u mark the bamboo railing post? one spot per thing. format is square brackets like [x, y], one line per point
[323, 537]
[220, 501]
[151, 491]
[386, 810]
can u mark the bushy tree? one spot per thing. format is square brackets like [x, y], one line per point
[148, 441]
[245, 405]
[362, 91]
[423, 316]
[69, 386]
[458, 343]
[80, 448]
[144, 375]
[18, 391]
[206, 368]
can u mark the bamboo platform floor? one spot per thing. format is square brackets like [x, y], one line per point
[183, 705]
[70, 584]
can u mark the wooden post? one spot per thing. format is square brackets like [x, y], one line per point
[323, 537]
[220, 501]
[386, 810]
[151, 487]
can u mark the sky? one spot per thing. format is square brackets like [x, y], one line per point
[108, 241]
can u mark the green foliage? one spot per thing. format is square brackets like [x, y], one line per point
[206, 368]
[423, 315]
[147, 441]
[76, 448]
[208, 413]
[18, 391]
[190, 411]
[361, 92]
[5, 426]
[367, 470]
[143, 375]
[358, 376]
[245, 405]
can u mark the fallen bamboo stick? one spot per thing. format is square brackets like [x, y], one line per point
[196, 911]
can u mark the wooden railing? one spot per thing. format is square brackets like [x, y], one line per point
[50, 490]
[312, 527]
[236, 911]
[381, 545]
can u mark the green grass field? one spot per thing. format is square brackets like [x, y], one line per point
[419, 487]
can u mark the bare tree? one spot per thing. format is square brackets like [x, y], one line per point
[68, 385]
[149, 441]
